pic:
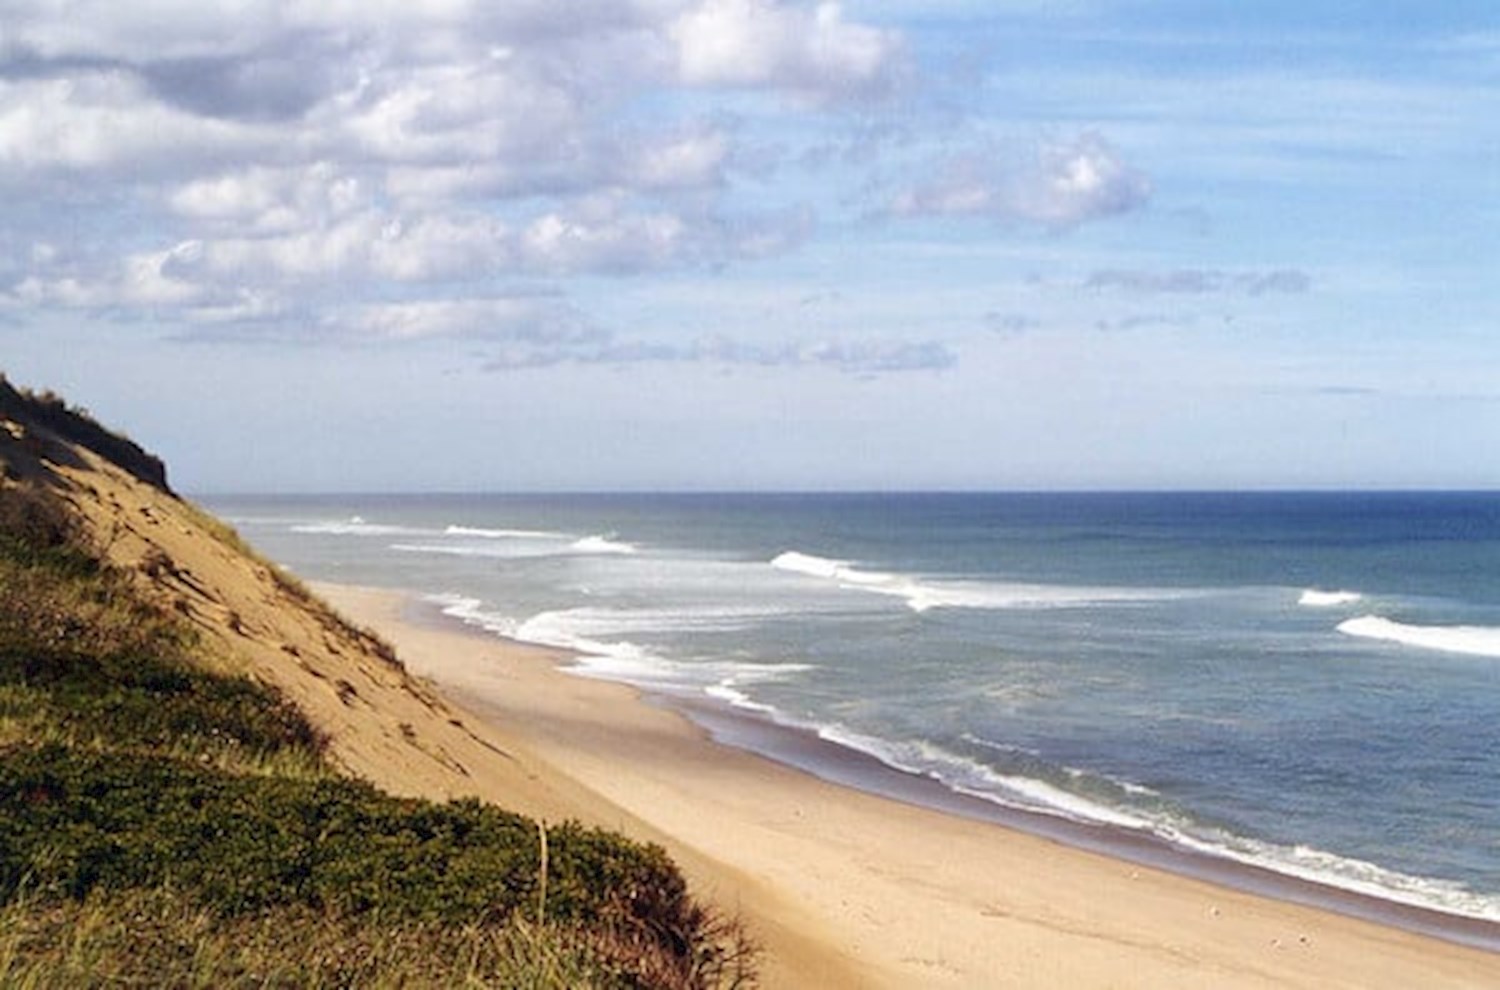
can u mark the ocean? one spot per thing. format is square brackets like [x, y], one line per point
[1307, 684]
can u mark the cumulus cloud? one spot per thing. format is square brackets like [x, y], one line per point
[262, 86]
[272, 234]
[267, 147]
[812, 52]
[104, 124]
[1063, 184]
[394, 172]
[263, 199]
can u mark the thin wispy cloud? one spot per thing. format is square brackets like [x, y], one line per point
[859, 358]
[1065, 183]
[1198, 281]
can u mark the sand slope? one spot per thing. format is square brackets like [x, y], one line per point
[384, 725]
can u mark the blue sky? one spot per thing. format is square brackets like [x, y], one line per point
[761, 244]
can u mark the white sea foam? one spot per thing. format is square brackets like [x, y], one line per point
[516, 544]
[1316, 598]
[604, 543]
[552, 629]
[503, 551]
[502, 534]
[596, 621]
[595, 636]
[965, 776]
[735, 698]
[1474, 640]
[1343, 873]
[804, 563]
[922, 594]
[354, 526]
[970, 777]
[471, 611]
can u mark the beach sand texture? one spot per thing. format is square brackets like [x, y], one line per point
[843, 889]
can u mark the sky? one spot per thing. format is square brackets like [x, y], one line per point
[520, 245]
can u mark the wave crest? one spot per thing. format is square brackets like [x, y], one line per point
[602, 543]
[485, 533]
[1317, 598]
[922, 594]
[1481, 641]
[354, 526]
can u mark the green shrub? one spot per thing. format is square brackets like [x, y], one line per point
[75, 822]
[164, 825]
[157, 938]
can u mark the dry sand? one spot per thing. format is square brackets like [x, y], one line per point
[847, 889]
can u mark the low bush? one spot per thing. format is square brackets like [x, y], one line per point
[75, 821]
[157, 938]
[164, 825]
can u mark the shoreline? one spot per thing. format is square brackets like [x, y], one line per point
[804, 749]
[843, 766]
[896, 884]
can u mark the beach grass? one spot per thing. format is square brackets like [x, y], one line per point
[157, 937]
[164, 824]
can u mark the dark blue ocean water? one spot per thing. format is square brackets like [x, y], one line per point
[1308, 682]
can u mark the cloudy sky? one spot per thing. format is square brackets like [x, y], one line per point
[725, 244]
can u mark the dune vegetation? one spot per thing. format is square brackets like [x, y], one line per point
[165, 823]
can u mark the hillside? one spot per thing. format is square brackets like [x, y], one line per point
[188, 736]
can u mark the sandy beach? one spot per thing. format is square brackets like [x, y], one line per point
[848, 889]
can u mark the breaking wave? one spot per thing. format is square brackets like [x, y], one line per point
[592, 633]
[517, 544]
[354, 526]
[922, 593]
[502, 534]
[974, 778]
[1317, 598]
[1481, 641]
[605, 543]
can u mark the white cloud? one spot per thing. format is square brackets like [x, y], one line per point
[393, 171]
[358, 249]
[694, 159]
[270, 200]
[467, 112]
[103, 122]
[1065, 183]
[1079, 180]
[602, 240]
[530, 320]
[143, 281]
[813, 52]
[686, 161]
